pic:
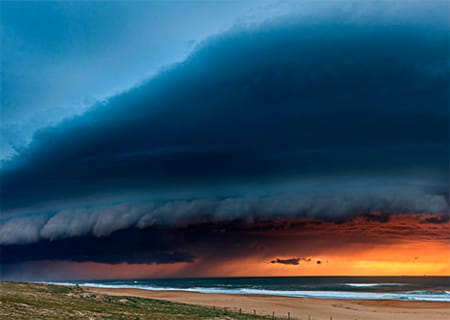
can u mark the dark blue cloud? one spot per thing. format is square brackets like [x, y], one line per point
[131, 245]
[283, 100]
[102, 221]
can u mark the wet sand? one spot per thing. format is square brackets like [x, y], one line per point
[299, 308]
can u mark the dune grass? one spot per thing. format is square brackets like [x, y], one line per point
[41, 301]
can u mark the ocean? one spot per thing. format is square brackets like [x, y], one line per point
[391, 288]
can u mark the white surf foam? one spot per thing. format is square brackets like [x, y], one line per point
[368, 285]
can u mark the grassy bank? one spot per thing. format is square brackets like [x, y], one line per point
[39, 301]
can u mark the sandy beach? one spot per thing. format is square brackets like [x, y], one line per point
[300, 308]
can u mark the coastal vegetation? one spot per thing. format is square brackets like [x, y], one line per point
[43, 301]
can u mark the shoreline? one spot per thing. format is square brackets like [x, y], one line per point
[303, 308]
[424, 295]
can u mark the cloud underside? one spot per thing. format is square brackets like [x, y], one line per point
[103, 221]
[219, 242]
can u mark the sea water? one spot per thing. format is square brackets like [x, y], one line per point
[393, 288]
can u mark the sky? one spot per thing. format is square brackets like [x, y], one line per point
[299, 138]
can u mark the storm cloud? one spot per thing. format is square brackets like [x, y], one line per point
[103, 221]
[327, 131]
[290, 99]
[131, 246]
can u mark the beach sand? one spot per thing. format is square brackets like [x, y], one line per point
[299, 308]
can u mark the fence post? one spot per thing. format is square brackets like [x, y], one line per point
[289, 315]
[273, 315]
[254, 311]
[240, 311]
